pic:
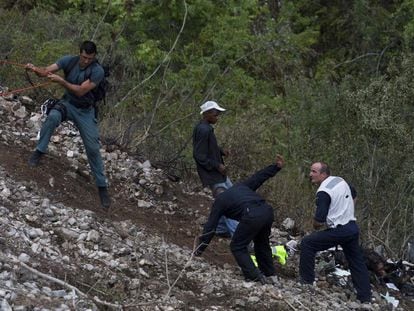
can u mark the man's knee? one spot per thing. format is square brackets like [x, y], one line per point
[237, 247]
[54, 117]
[216, 191]
[91, 143]
[305, 242]
[93, 151]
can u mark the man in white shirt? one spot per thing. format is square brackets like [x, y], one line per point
[335, 210]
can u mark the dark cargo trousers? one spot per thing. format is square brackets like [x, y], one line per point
[347, 236]
[255, 225]
[84, 119]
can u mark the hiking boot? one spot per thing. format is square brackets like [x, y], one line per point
[366, 303]
[259, 279]
[368, 299]
[35, 158]
[308, 287]
[366, 306]
[262, 279]
[104, 196]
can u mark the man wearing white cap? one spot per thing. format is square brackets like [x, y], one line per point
[209, 159]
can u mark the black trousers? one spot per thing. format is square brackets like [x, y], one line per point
[348, 237]
[255, 225]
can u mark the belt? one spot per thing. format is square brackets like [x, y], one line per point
[349, 222]
[78, 104]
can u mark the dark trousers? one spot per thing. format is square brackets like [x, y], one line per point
[348, 237]
[254, 226]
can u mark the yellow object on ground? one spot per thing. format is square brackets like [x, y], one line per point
[278, 251]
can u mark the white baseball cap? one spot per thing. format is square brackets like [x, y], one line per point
[210, 105]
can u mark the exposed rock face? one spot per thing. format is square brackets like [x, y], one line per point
[54, 256]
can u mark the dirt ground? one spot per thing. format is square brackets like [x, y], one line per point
[82, 194]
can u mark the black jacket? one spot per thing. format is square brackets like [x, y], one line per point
[207, 154]
[233, 202]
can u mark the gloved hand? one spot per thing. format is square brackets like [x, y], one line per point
[197, 253]
[199, 250]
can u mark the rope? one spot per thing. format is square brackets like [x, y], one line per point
[33, 86]
[7, 93]
[12, 63]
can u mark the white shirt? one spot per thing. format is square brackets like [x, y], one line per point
[341, 209]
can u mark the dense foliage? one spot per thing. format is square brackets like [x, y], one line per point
[327, 80]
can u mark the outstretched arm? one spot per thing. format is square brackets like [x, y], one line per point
[257, 179]
[209, 228]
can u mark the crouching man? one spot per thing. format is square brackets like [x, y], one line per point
[255, 216]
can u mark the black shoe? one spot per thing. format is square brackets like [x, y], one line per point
[104, 196]
[35, 158]
[262, 279]
[259, 279]
[365, 300]
[308, 287]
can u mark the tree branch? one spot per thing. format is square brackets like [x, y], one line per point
[355, 59]
[102, 19]
[63, 283]
[163, 61]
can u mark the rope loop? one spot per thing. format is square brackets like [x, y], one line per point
[33, 86]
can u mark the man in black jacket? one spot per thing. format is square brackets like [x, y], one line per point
[255, 216]
[209, 159]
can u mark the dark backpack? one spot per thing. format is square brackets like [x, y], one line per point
[99, 92]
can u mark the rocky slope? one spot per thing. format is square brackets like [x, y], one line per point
[60, 251]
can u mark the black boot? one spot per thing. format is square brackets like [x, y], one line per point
[104, 196]
[35, 158]
[260, 278]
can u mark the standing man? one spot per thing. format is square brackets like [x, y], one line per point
[241, 202]
[335, 210]
[82, 74]
[209, 159]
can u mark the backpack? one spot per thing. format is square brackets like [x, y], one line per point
[99, 92]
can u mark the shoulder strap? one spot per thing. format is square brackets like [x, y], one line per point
[73, 62]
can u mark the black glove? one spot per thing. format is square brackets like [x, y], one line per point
[197, 253]
[200, 249]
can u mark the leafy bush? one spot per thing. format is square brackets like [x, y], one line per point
[298, 78]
